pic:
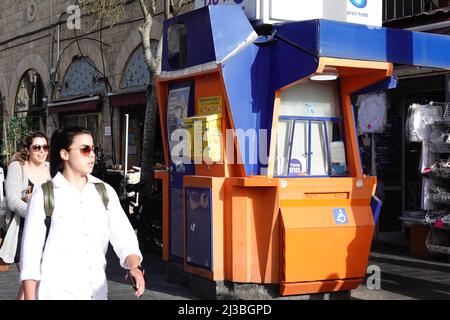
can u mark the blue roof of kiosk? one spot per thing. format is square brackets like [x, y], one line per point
[254, 72]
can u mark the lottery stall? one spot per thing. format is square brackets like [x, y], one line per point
[264, 183]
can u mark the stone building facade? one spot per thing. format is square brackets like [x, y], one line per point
[59, 76]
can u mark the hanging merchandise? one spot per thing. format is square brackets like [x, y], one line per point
[372, 113]
[421, 117]
[411, 133]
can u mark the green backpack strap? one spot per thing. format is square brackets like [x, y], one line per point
[101, 189]
[49, 198]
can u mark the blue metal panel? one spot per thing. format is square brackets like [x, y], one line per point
[230, 27]
[176, 222]
[198, 215]
[375, 205]
[354, 41]
[247, 82]
[291, 63]
[200, 46]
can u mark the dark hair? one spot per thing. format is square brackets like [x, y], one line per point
[62, 139]
[24, 153]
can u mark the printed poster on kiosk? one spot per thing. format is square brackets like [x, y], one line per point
[177, 111]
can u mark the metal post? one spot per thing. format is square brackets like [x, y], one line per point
[126, 147]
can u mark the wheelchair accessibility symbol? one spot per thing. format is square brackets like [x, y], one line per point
[340, 217]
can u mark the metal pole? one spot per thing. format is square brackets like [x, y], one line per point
[126, 147]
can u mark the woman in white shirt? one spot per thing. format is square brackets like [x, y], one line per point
[28, 169]
[70, 263]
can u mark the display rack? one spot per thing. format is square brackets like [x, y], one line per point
[435, 172]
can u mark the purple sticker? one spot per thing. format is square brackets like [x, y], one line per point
[295, 167]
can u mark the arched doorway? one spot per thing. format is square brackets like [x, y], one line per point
[28, 103]
[80, 98]
[130, 99]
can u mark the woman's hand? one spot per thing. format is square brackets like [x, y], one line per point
[26, 197]
[29, 288]
[138, 276]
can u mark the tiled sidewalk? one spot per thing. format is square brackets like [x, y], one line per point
[402, 277]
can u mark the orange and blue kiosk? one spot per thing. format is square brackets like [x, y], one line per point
[267, 186]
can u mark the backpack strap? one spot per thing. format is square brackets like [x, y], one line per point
[49, 198]
[101, 189]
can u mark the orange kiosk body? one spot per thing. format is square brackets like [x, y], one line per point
[303, 219]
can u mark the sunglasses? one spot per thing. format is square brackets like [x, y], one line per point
[38, 147]
[86, 150]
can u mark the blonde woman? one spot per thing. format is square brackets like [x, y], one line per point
[28, 169]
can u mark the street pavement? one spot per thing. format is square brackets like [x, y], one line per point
[402, 278]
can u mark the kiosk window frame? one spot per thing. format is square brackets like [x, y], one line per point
[308, 143]
[314, 108]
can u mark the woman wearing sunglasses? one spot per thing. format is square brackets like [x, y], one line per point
[70, 263]
[28, 169]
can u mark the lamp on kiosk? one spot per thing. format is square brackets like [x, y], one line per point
[328, 74]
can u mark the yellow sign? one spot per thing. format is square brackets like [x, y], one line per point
[210, 105]
[205, 137]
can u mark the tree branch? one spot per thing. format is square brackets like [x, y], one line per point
[167, 4]
[144, 8]
[180, 4]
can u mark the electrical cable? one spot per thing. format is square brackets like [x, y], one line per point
[294, 44]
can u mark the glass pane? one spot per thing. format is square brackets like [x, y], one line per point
[283, 143]
[298, 164]
[177, 45]
[311, 99]
[319, 161]
[337, 149]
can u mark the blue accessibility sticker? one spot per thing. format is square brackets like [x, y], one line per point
[340, 217]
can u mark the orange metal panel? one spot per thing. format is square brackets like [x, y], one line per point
[209, 85]
[241, 235]
[252, 235]
[287, 289]
[316, 248]
[164, 176]
[296, 189]
[353, 157]
[354, 75]
[354, 65]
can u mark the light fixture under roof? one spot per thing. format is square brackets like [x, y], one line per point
[328, 74]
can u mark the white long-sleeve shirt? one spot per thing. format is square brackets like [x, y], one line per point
[72, 266]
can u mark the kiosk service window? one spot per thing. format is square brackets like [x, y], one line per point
[310, 134]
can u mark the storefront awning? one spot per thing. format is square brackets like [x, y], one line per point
[126, 98]
[83, 104]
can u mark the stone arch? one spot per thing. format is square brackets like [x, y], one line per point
[131, 43]
[90, 50]
[3, 85]
[32, 61]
